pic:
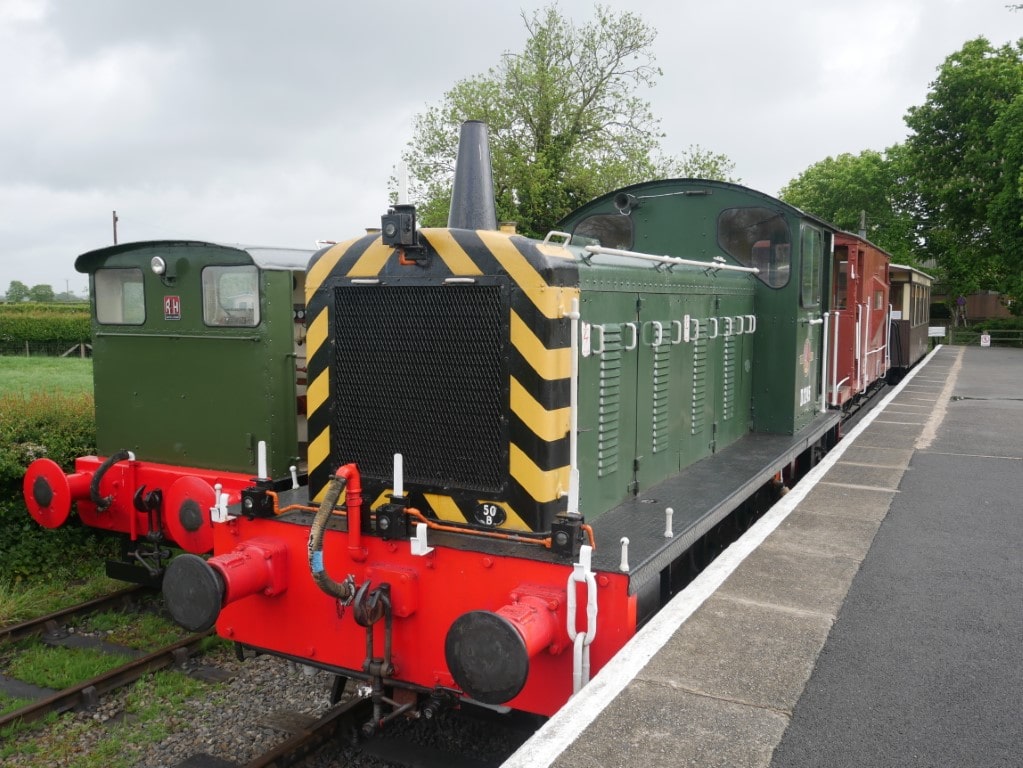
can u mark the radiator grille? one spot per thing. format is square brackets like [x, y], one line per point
[420, 371]
[698, 410]
[609, 415]
[728, 378]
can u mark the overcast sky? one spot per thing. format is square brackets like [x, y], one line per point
[279, 123]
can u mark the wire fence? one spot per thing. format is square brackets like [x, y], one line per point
[44, 349]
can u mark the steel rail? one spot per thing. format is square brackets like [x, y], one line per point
[316, 735]
[86, 692]
[40, 624]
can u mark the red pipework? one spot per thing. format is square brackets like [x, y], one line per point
[353, 503]
[256, 565]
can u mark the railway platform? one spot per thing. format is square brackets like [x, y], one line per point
[873, 617]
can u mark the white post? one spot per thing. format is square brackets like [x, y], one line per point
[261, 460]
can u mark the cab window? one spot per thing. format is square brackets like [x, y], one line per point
[813, 254]
[230, 295]
[120, 298]
[611, 230]
[758, 237]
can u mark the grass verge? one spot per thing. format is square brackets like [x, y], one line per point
[50, 375]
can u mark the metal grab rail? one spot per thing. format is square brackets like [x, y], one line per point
[671, 261]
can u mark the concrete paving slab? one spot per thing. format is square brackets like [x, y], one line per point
[802, 581]
[901, 419]
[824, 534]
[743, 652]
[926, 399]
[883, 436]
[913, 408]
[860, 474]
[839, 500]
[676, 729]
[881, 457]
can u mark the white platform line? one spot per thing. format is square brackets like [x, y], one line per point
[547, 744]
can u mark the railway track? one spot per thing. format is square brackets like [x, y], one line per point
[47, 623]
[86, 693]
[337, 739]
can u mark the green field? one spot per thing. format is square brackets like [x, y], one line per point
[50, 375]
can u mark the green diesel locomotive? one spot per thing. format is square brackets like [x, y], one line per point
[532, 442]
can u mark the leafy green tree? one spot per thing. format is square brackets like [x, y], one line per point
[872, 184]
[1006, 209]
[41, 293]
[965, 154]
[564, 121]
[698, 163]
[17, 291]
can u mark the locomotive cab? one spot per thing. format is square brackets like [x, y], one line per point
[198, 360]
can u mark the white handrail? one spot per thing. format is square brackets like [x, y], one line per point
[670, 260]
[824, 363]
[573, 428]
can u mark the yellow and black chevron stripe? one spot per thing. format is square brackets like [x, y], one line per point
[538, 283]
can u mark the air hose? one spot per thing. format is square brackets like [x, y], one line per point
[103, 502]
[344, 590]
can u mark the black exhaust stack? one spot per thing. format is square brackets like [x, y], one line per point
[472, 198]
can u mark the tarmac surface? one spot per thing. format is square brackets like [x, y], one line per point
[874, 617]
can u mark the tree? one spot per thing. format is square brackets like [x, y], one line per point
[841, 189]
[1006, 208]
[17, 291]
[698, 163]
[40, 293]
[965, 155]
[564, 121]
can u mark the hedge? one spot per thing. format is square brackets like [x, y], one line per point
[45, 322]
[998, 324]
[60, 427]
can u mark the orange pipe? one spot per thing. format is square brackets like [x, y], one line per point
[353, 503]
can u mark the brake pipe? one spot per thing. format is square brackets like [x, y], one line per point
[344, 590]
[103, 502]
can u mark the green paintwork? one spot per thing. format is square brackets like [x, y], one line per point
[177, 391]
[688, 399]
[647, 412]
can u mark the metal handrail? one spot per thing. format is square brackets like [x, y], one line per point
[671, 261]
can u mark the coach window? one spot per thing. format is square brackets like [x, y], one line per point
[813, 254]
[609, 230]
[230, 295]
[758, 237]
[120, 299]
